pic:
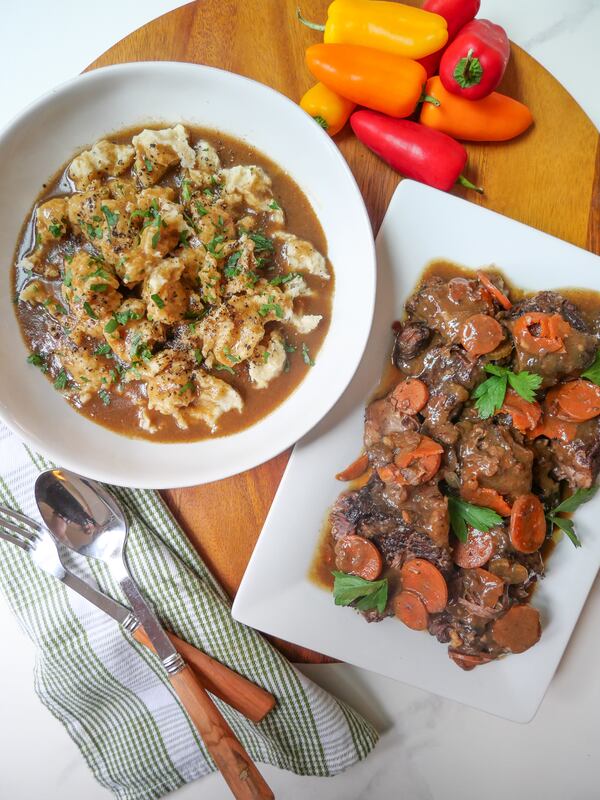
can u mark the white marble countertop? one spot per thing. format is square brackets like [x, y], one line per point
[431, 749]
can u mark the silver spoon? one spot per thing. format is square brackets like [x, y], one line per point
[86, 518]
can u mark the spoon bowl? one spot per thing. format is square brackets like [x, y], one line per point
[82, 515]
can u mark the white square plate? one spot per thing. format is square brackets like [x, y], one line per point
[276, 595]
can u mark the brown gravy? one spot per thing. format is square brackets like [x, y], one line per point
[121, 414]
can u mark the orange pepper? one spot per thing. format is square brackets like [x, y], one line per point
[326, 107]
[495, 118]
[382, 81]
[393, 27]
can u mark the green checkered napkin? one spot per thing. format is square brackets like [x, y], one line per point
[111, 694]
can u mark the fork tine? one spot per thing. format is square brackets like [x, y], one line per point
[26, 533]
[7, 537]
[22, 518]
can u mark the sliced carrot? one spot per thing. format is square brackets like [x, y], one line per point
[481, 334]
[355, 469]
[416, 466]
[488, 498]
[550, 332]
[554, 428]
[527, 524]
[517, 630]
[475, 552]
[525, 415]
[410, 609]
[469, 661]
[356, 555]
[425, 579]
[410, 396]
[579, 400]
[498, 295]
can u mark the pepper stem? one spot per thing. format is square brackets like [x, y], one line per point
[468, 185]
[428, 98]
[312, 25]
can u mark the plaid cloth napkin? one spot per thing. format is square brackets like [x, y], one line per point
[112, 695]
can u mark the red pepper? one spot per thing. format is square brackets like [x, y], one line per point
[417, 152]
[474, 64]
[456, 13]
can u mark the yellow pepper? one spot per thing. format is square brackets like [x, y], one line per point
[383, 25]
[326, 107]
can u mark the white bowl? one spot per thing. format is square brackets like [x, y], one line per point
[81, 111]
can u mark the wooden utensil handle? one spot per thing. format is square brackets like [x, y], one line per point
[234, 763]
[251, 700]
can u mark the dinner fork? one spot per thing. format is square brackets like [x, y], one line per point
[246, 697]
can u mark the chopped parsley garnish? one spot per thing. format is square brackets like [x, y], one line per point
[157, 300]
[112, 217]
[93, 231]
[104, 396]
[261, 243]
[56, 229]
[184, 238]
[232, 269]
[148, 164]
[186, 387]
[252, 278]
[306, 356]
[156, 239]
[97, 273]
[111, 326]
[463, 514]
[123, 317]
[572, 503]
[208, 192]
[266, 308]
[61, 380]
[89, 310]
[37, 360]
[283, 279]
[266, 356]
[212, 246]
[200, 209]
[365, 595]
[229, 356]
[274, 205]
[592, 373]
[99, 287]
[289, 348]
[186, 193]
[198, 355]
[223, 368]
[489, 395]
[60, 309]
[103, 350]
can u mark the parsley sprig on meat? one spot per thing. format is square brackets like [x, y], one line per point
[364, 595]
[567, 506]
[463, 514]
[489, 395]
[592, 373]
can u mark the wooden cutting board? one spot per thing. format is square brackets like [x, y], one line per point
[548, 178]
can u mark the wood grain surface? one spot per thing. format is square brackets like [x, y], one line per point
[548, 178]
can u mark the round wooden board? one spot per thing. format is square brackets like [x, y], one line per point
[549, 178]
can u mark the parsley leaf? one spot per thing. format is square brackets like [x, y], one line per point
[61, 380]
[104, 396]
[274, 205]
[68, 277]
[261, 243]
[186, 387]
[232, 269]
[306, 356]
[489, 395]
[157, 300]
[266, 308]
[592, 373]
[111, 326]
[93, 231]
[89, 310]
[112, 217]
[102, 350]
[56, 229]
[148, 164]
[99, 287]
[223, 368]
[186, 192]
[572, 503]
[229, 356]
[198, 355]
[200, 209]
[283, 279]
[37, 360]
[463, 514]
[184, 238]
[368, 595]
